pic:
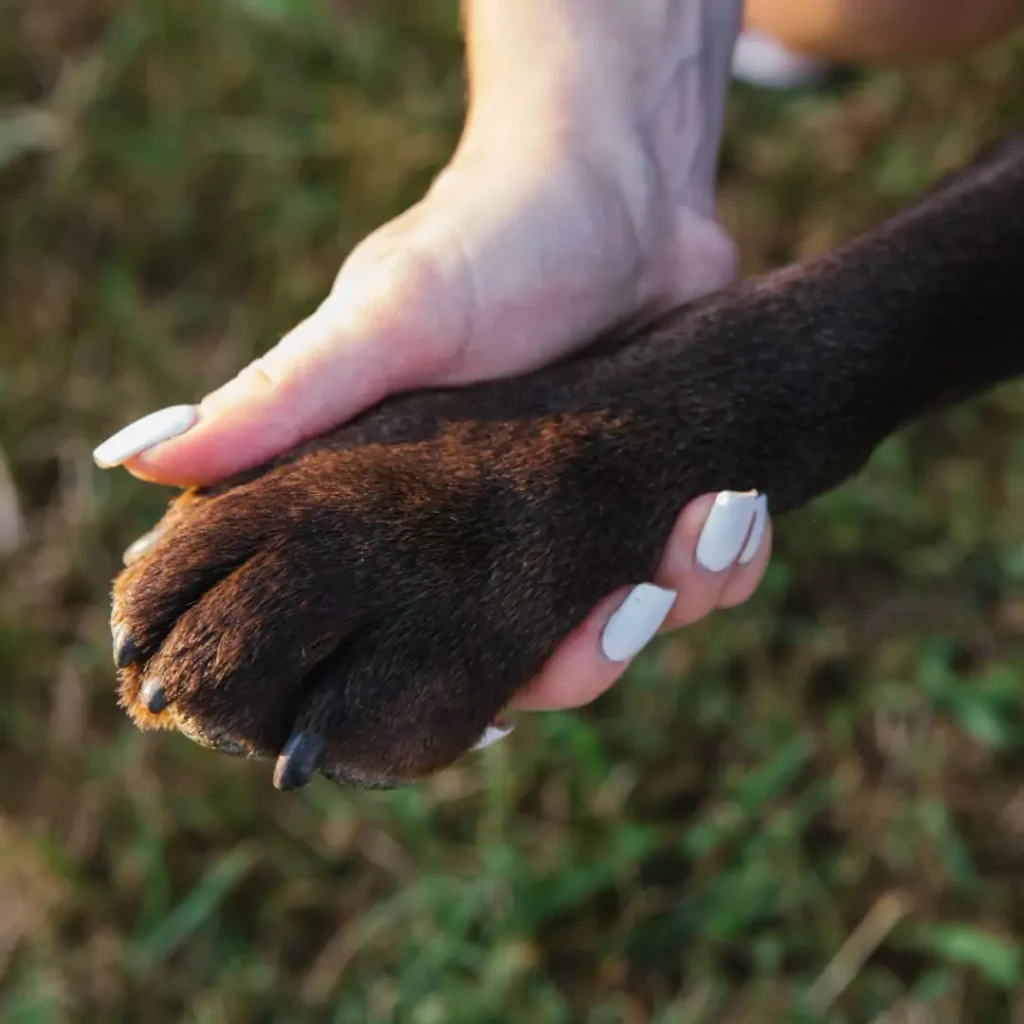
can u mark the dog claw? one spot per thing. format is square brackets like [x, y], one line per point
[125, 650]
[153, 695]
[298, 761]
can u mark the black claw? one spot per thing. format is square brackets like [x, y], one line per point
[153, 695]
[125, 650]
[298, 761]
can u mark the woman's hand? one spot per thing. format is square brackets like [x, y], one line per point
[582, 190]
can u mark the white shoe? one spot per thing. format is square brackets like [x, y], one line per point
[761, 60]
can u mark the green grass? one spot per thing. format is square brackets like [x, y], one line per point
[810, 808]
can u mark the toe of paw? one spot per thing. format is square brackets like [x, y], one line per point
[139, 709]
[219, 737]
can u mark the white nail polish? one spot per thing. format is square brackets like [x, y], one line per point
[725, 532]
[750, 549]
[636, 621]
[491, 735]
[146, 433]
[138, 548]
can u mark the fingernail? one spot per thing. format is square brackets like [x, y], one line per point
[750, 549]
[144, 434]
[140, 547]
[491, 735]
[636, 621]
[726, 530]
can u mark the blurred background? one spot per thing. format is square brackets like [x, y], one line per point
[810, 808]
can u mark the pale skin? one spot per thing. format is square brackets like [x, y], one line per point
[581, 189]
[874, 30]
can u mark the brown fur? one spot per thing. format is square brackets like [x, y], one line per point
[387, 588]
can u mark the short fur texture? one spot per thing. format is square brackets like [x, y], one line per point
[380, 593]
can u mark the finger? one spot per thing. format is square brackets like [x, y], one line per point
[744, 580]
[718, 538]
[716, 557]
[368, 339]
[580, 671]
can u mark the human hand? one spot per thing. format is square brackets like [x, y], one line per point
[574, 199]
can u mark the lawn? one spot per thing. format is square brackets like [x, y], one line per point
[810, 808]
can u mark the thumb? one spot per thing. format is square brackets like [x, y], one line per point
[369, 338]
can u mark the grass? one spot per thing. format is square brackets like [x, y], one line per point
[810, 808]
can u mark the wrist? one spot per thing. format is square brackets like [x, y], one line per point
[652, 75]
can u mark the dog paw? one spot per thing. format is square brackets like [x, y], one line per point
[366, 605]
[365, 608]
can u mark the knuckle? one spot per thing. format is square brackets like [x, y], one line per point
[260, 376]
[404, 292]
[382, 277]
